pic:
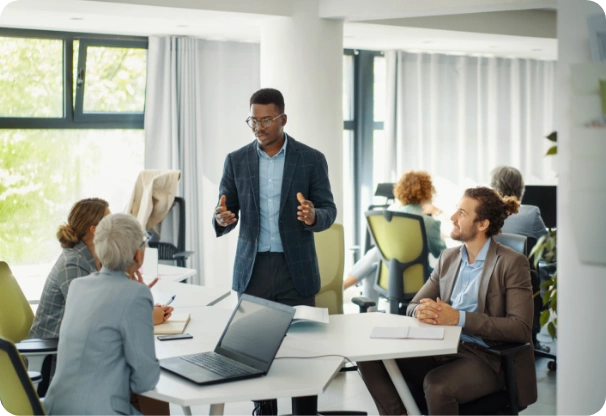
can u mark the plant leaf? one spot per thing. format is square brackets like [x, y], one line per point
[544, 317]
[553, 150]
[553, 136]
[552, 330]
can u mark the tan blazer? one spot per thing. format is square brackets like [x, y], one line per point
[505, 306]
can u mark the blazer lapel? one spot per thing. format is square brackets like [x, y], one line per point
[253, 171]
[489, 264]
[450, 278]
[290, 167]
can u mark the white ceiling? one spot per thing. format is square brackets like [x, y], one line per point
[113, 17]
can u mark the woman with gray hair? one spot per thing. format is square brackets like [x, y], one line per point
[106, 344]
[508, 181]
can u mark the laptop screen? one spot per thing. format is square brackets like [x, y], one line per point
[255, 331]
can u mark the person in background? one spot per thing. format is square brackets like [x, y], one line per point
[482, 287]
[414, 192]
[106, 341]
[508, 181]
[278, 189]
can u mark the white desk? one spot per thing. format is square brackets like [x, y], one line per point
[187, 295]
[174, 273]
[349, 335]
[286, 378]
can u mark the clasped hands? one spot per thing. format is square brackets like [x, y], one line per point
[305, 212]
[436, 312]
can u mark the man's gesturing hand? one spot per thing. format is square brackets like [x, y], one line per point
[306, 212]
[223, 217]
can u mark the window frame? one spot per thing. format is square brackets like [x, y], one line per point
[71, 118]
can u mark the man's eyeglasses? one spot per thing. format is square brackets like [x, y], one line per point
[146, 237]
[265, 123]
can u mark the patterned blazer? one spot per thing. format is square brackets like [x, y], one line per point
[505, 307]
[73, 262]
[305, 171]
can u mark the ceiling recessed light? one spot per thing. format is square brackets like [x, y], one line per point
[76, 18]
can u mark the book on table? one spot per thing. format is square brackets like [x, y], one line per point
[305, 313]
[407, 332]
[174, 325]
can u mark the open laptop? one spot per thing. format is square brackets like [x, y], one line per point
[246, 348]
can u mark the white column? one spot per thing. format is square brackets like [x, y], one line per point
[302, 56]
[581, 287]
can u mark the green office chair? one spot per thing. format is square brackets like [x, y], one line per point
[17, 393]
[16, 319]
[402, 242]
[330, 249]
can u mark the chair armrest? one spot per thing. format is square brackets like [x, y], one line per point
[508, 349]
[507, 352]
[182, 255]
[34, 376]
[38, 346]
[363, 302]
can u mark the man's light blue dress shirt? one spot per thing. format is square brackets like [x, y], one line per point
[271, 170]
[465, 292]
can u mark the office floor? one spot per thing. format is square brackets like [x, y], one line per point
[348, 392]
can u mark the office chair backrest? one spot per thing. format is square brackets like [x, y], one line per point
[514, 241]
[171, 240]
[330, 248]
[17, 393]
[402, 242]
[16, 314]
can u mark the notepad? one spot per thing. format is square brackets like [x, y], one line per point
[407, 332]
[310, 314]
[174, 325]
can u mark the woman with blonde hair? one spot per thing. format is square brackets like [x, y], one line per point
[77, 259]
[414, 192]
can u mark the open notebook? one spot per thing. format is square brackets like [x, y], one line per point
[174, 325]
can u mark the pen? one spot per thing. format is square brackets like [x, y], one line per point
[170, 300]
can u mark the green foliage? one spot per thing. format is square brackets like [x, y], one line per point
[42, 171]
[545, 248]
[553, 150]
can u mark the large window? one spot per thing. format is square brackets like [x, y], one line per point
[71, 127]
[364, 98]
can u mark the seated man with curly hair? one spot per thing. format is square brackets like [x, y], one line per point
[413, 192]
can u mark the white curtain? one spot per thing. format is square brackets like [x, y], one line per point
[460, 116]
[196, 103]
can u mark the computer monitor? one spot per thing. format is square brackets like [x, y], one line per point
[544, 197]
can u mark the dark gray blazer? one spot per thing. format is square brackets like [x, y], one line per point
[305, 171]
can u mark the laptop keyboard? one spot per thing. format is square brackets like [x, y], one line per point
[219, 364]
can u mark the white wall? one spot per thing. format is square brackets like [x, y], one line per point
[581, 287]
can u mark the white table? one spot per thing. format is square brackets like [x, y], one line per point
[349, 335]
[286, 378]
[187, 295]
[174, 273]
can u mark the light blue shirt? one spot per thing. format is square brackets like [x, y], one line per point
[465, 292]
[271, 170]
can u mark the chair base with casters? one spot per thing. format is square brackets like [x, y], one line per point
[503, 402]
[17, 392]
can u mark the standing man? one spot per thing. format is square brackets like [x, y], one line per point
[484, 288]
[278, 189]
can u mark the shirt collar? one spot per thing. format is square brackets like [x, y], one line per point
[282, 150]
[481, 255]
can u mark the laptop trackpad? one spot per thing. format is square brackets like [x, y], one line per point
[189, 370]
